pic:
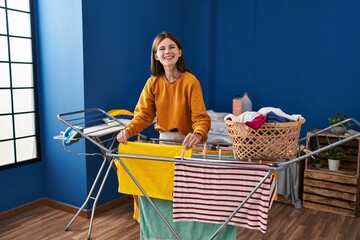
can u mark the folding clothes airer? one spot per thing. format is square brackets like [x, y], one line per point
[100, 128]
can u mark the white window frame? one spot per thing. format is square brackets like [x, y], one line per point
[19, 139]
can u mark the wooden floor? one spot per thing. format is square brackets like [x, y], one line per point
[285, 222]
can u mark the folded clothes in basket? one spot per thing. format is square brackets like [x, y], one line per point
[266, 114]
[279, 113]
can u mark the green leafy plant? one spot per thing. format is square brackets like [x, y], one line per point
[317, 163]
[338, 117]
[335, 153]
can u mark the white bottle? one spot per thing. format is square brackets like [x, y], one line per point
[246, 103]
[237, 106]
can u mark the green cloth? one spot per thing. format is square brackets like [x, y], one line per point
[153, 227]
[215, 156]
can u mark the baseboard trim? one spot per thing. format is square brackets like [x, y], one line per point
[23, 208]
[64, 207]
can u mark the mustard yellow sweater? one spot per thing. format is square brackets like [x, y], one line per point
[177, 105]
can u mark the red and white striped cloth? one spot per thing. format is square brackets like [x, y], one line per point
[206, 193]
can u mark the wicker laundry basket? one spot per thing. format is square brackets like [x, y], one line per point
[270, 142]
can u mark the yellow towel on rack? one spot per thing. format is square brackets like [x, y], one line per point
[155, 177]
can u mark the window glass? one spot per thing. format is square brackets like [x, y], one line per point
[23, 100]
[6, 127]
[19, 24]
[5, 99]
[4, 53]
[22, 75]
[20, 50]
[19, 4]
[24, 125]
[7, 152]
[2, 3]
[2, 22]
[26, 149]
[4, 75]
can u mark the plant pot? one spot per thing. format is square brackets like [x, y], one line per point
[334, 164]
[317, 165]
[339, 130]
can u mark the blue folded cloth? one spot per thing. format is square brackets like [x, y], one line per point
[271, 117]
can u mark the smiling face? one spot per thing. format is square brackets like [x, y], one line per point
[167, 53]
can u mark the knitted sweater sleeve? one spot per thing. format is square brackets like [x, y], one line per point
[199, 116]
[144, 112]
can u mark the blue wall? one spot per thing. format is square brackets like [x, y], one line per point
[117, 46]
[300, 56]
[21, 185]
[198, 40]
[61, 90]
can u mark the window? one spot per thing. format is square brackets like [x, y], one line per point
[18, 137]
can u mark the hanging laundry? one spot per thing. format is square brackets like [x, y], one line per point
[207, 193]
[148, 173]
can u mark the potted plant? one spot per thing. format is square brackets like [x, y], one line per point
[334, 155]
[336, 118]
[317, 163]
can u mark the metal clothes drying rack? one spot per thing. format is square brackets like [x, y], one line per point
[98, 127]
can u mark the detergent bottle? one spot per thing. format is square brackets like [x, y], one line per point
[237, 105]
[246, 103]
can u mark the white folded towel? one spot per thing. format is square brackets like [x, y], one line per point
[244, 117]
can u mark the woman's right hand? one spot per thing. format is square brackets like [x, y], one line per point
[123, 136]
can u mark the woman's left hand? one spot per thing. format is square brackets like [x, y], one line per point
[191, 140]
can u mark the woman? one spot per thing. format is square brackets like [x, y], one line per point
[173, 95]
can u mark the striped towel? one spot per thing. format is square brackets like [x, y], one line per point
[206, 193]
